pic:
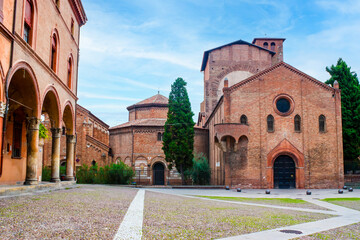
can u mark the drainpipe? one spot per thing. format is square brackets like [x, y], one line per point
[6, 91]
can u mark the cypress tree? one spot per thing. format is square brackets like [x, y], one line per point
[350, 107]
[178, 139]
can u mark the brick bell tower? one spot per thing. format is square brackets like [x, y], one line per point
[235, 61]
[273, 44]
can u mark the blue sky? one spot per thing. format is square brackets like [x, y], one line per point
[131, 49]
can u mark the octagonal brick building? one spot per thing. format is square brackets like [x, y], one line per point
[138, 142]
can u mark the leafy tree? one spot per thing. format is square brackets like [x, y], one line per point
[43, 132]
[178, 140]
[201, 172]
[350, 107]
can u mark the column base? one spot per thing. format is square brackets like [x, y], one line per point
[55, 180]
[31, 182]
[69, 178]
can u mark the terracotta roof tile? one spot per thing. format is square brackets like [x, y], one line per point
[158, 98]
[156, 122]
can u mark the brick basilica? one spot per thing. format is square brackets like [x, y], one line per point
[270, 125]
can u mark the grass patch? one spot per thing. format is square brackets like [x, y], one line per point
[353, 203]
[262, 200]
[340, 199]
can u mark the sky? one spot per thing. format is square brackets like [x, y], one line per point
[131, 49]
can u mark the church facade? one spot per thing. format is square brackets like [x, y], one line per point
[270, 125]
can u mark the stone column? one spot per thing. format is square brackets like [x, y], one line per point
[55, 154]
[32, 137]
[70, 149]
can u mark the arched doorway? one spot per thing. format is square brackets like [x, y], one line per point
[158, 174]
[284, 172]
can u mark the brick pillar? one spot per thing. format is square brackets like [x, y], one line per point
[70, 150]
[55, 154]
[226, 92]
[340, 153]
[32, 137]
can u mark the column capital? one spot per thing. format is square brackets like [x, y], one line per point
[70, 138]
[2, 107]
[33, 123]
[56, 132]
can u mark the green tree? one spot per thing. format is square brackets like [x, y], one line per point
[200, 172]
[178, 139]
[43, 132]
[350, 107]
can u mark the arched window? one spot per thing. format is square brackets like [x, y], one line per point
[159, 136]
[272, 46]
[53, 52]
[270, 123]
[28, 21]
[266, 45]
[243, 119]
[93, 163]
[69, 73]
[322, 123]
[297, 123]
[72, 27]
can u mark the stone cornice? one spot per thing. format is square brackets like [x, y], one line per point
[281, 64]
[4, 31]
[79, 11]
[97, 142]
[147, 105]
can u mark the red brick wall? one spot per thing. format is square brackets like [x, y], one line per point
[228, 59]
[322, 153]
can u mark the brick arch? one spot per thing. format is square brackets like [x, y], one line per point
[286, 148]
[141, 156]
[51, 90]
[24, 65]
[238, 67]
[156, 160]
[69, 105]
[127, 159]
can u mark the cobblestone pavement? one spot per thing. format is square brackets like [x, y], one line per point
[84, 212]
[97, 212]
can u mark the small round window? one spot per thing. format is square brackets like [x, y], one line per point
[283, 105]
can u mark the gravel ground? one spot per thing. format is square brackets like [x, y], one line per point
[285, 202]
[344, 233]
[174, 217]
[85, 212]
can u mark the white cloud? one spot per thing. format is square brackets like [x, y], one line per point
[343, 6]
[98, 96]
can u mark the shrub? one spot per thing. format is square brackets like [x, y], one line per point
[201, 171]
[118, 173]
[46, 174]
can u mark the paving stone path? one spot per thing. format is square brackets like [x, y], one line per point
[131, 226]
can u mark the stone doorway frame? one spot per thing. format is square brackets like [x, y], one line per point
[286, 148]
